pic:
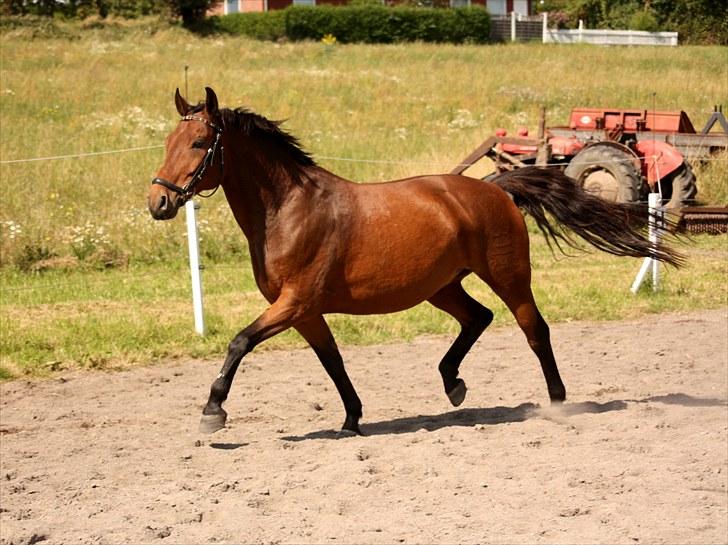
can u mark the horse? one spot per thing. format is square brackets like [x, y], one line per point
[321, 244]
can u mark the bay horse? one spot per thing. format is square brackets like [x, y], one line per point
[321, 244]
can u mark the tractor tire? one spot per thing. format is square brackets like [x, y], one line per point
[680, 189]
[607, 172]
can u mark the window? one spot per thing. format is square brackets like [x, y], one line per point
[459, 3]
[304, 2]
[520, 7]
[496, 7]
[231, 6]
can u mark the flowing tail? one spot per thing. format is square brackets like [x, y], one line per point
[615, 228]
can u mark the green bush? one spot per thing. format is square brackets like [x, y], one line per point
[379, 24]
[643, 20]
[266, 25]
[361, 23]
[129, 9]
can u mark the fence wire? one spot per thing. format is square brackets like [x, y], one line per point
[90, 283]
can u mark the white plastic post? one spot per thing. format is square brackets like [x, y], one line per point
[195, 267]
[646, 266]
[654, 203]
[654, 236]
[545, 28]
[513, 26]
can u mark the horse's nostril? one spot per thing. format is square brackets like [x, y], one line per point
[163, 203]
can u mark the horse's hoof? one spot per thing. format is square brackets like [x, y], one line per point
[558, 396]
[344, 433]
[210, 423]
[457, 394]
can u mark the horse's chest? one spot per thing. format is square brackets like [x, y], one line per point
[267, 278]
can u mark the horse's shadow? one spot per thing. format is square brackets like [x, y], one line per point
[504, 415]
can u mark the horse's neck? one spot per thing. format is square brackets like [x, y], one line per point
[257, 189]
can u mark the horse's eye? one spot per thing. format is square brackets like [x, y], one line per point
[198, 144]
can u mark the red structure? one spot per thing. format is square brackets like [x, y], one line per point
[619, 154]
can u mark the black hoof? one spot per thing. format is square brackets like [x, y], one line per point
[345, 432]
[557, 397]
[457, 394]
[210, 423]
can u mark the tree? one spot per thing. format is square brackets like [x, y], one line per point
[192, 12]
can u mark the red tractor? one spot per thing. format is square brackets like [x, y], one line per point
[621, 155]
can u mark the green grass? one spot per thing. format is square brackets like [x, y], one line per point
[104, 319]
[89, 279]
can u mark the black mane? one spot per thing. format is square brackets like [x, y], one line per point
[252, 124]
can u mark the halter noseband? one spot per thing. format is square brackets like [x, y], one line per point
[188, 191]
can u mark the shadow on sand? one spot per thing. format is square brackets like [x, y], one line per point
[504, 415]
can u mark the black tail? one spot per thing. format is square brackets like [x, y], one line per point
[615, 228]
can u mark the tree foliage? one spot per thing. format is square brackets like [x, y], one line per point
[191, 12]
[696, 21]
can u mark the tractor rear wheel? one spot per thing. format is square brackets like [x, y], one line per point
[606, 171]
[680, 189]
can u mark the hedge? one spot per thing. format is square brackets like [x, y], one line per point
[81, 9]
[264, 25]
[367, 24]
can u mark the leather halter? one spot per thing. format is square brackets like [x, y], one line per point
[188, 191]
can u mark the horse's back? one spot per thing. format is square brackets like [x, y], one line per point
[468, 205]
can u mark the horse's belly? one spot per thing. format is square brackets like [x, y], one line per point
[390, 278]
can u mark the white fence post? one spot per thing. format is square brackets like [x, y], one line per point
[513, 26]
[655, 225]
[545, 28]
[654, 235]
[195, 267]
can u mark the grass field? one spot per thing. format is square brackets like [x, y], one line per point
[89, 279]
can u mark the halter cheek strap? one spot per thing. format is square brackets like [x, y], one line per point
[188, 191]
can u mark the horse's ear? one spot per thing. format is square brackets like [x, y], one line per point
[211, 102]
[182, 106]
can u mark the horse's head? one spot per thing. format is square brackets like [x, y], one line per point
[194, 157]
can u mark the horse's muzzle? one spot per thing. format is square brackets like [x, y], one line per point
[163, 206]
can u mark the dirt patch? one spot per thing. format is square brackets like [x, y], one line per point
[637, 455]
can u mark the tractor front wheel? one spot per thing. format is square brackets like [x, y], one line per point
[680, 189]
[606, 171]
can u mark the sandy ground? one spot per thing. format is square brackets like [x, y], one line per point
[639, 454]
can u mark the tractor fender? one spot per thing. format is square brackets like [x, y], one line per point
[658, 159]
[629, 152]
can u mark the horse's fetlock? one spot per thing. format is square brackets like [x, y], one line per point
[355, 410]
[219, 390]
[447, 369]
[486, 317]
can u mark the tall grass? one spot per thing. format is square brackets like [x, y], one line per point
[88, 277]
[422, 107]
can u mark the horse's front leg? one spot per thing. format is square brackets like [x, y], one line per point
[277, 318]
[317, 333]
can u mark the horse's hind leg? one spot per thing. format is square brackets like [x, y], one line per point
[317, 333]
[517, 295]
[473, 318]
